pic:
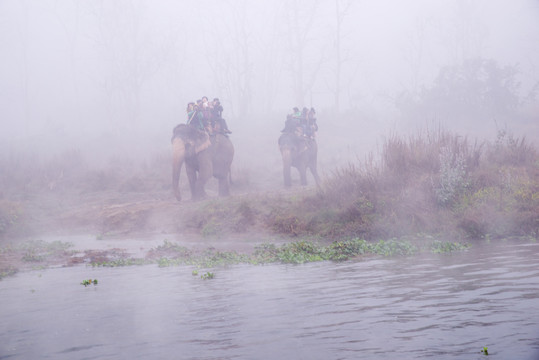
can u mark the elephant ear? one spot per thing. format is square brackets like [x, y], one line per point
[198, 139]
[287, 139]
[291, 140]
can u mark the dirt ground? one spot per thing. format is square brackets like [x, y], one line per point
[111, 225]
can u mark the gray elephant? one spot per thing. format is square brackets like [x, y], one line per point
[300, 152]
[204, 156]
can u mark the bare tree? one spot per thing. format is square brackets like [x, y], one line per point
[70, 24]
[468, 37]
[272, 69]
[230, 58]
[299, 20]
[342, 8]
[129, 52]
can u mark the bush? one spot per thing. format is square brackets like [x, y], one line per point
[433, 183]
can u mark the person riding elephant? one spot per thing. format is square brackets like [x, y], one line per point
[195, 117]
[293, 122]
[299, 152]
[204, 156]
[312, 126]
[220, 124]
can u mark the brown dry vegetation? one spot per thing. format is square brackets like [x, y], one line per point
[436, 183]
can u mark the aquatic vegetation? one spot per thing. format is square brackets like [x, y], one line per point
[394, 248]
[484, 351]
[89, 282]
[121, 262]
[207, 276]
[303, 251]
[298, 252]
[344, 250]
[439, 247]
[7, 272]
[170, 247]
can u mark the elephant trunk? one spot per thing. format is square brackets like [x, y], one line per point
[178, 157]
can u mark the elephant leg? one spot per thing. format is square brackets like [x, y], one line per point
[302, 168]
[192, 176]
[178, 156]
[313, 168]
[222, 161]
[205, 172]
[287, 164]
[314, 171]
[224, 186]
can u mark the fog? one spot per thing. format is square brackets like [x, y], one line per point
[112, 78]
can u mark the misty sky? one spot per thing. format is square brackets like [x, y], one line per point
[84, 73]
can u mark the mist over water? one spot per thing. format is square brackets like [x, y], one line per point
[443, 307]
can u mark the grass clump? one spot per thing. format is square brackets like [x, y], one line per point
[10, 215]
[39, 251]
[433, 183]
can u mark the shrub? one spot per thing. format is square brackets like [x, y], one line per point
[453, 178]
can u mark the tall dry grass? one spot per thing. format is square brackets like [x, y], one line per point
[433, 182]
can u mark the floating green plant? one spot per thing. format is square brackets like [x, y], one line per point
[298, 252]
[121, 262]
[89, 282]
[440, 247]
[485, 350]
[194, 272]
[207, 276]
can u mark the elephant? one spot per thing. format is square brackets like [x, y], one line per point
[204, 155]
[300, 152]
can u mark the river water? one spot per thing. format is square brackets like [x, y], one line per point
[428, 306]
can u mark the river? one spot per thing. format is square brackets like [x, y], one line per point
[429, 306]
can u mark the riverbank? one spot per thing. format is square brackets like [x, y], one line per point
[438, 186]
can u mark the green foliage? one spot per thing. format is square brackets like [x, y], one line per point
[207, 276]
[394, 248]
[441, 247]
[344, 250]
[121, 262]
[10, 213]
[303, 251]
[89, 282]
[170, 247]
[299, 252]
[7, 272]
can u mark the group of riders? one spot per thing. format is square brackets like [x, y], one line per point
[301, 123]
[208, 116]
